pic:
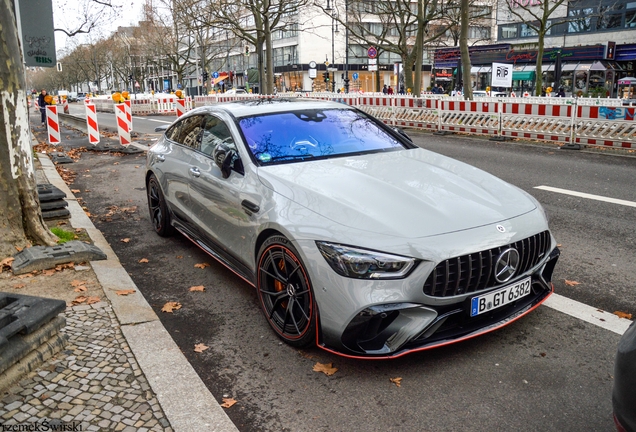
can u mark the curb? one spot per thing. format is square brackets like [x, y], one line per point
[169, 373]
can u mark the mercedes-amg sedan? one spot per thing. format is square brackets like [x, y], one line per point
[355, 239]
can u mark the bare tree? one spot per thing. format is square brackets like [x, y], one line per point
[21, 221]
[398, 26]
[463, 48]
[539, 16]
[254, 21]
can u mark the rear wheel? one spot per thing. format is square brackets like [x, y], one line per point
[158, 209]
[285, 292]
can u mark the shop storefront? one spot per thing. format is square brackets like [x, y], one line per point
[582, 71]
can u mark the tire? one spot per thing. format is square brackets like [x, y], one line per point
[285, 292]
[158, 209]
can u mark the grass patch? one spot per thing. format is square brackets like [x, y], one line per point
[63, 235]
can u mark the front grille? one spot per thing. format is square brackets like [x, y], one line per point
[474, 272]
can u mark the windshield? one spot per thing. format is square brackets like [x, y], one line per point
[308, 134]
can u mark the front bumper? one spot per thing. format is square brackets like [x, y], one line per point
[391, 329]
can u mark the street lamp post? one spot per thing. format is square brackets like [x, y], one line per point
[346, 66]
[333, 49]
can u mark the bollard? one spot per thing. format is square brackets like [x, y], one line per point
[92, 127]
[53, 124]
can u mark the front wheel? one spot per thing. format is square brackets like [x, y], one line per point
[158, 209]
[285, 292]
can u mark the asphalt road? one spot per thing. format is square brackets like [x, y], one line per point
[548, 371]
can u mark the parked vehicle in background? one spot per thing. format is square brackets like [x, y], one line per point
[356, 239]
[624, 393]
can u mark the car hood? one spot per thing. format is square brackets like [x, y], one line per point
[409, 193]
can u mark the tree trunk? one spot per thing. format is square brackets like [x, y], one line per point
[465, 56]
[539, 72]
[21, 221]
[269, 60]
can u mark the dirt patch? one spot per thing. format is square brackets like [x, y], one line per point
[65, 282]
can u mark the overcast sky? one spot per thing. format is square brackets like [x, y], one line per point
[67, 14]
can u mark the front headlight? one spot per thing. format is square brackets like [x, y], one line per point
[365, 264]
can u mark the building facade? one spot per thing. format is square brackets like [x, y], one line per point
[589, 46]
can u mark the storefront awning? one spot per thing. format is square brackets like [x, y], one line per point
[523, 75]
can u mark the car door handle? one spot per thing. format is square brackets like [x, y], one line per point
[195, 172]
[250, 206]
[161, 158]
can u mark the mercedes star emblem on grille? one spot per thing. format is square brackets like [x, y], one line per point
[506, 265]
[501, 228]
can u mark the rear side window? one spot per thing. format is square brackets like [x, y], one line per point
[189, 132]
[173, 132]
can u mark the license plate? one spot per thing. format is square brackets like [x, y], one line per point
[499, 298]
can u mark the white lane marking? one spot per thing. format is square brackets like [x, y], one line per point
[588, 196]
[590, 314]
[160, 121]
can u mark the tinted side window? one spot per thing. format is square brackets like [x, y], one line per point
[215, 131]
[189, 132]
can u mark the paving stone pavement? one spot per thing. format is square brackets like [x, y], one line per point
[95, 384]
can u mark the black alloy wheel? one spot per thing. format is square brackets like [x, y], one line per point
[285, 293]
[159, 214]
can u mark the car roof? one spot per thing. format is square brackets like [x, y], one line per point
[251, 107]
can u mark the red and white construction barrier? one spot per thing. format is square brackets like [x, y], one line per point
[53, 124]
[122, 124]
[65, 105]
[92, 127]
[129, 114]
[180, 106]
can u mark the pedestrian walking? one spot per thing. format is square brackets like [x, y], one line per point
[42, 104]
[384, 89]
[389, 91]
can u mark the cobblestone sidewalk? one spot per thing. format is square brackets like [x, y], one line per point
[95, 384]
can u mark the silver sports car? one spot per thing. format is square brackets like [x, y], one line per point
[355, 239]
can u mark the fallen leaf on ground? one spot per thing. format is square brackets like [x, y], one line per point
[623, 315]
[179, 256]
[116, 163]
[125, 240]
[200, 347]
[61, 267]
[125, 292]
[20, 286]
[202, 265]
[77, 283]
[326, 368]
[48, 272]
[228, 402]
[80, 288]
[396, 381]
[171, 306]
[79, 300]
[76, 190]
[572, 283]
[6, 263]
[92, 300]
[197, 288]
[143, 260]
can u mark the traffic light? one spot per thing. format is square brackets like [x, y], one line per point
[325, 76]
[130, 77]
[205, 77]
[247, 50]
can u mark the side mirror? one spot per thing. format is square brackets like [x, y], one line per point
[227, 160]
[162, 128]
[401, 132]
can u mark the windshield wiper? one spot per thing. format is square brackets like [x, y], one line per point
[292, 157]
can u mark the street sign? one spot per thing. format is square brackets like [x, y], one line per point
[355, 75]
[137, 84]
[312, 64]
[215, 75]
[372, 52]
